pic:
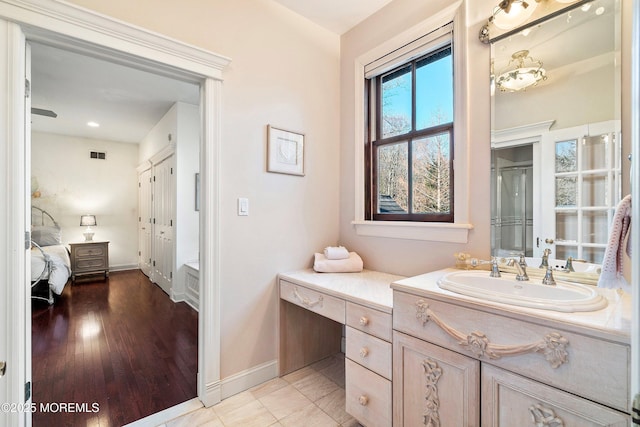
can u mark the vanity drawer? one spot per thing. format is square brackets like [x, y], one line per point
[324, 305]
[511, 400]
[368, 320]
[369, 351]
[368, 396]
[594, 368]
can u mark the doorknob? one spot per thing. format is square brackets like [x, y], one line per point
[3, 368]
[548, 241]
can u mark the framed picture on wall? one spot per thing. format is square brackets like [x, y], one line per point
[285, 151]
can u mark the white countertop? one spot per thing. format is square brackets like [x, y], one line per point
[369, 288]
[612, 322]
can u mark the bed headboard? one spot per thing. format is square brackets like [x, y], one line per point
[42, 218]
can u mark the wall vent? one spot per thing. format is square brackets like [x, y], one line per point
[98, 155]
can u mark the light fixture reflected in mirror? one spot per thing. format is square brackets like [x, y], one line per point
[523, 75]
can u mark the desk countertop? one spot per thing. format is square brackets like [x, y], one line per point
[368, 288]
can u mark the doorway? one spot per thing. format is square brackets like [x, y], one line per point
[97, 325]
[66, 25]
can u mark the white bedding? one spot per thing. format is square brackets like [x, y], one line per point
[60, 270]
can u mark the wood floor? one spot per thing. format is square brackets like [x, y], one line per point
[120, 343]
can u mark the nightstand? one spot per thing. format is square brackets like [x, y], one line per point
[89, 258]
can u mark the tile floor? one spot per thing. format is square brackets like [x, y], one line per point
[311, 397]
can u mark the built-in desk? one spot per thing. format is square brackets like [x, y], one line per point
[313, 309]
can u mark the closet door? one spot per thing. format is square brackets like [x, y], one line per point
[163, 222]
[144, 222]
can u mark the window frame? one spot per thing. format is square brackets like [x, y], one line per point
[459, 230]
[372, 144]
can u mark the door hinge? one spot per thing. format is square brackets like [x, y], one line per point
[139, 253]
[170, 223]
[171, 171]
[27, 240]
[171, 275]
[139, 219]
[154, 263]
[154, 178]
[27, 88]
[154, 220]
[27, 391]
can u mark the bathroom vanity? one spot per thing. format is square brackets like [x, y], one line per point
[420, 355]
[462, 361]
[314, 309]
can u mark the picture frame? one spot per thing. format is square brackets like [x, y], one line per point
[285, 151]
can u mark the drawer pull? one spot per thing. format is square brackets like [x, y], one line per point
[544, 417]
[363, 400]
[552, 346]
[305, 301]
[364, 352]
[364, 321]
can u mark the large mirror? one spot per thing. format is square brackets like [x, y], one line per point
[555, 134]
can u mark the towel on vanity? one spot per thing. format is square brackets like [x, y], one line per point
[353, 264]
[611, 275]
[336, 252]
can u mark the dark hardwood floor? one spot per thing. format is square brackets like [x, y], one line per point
[120, 343]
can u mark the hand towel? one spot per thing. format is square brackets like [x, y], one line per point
[353, 264]
[336, 252]
[611, 275]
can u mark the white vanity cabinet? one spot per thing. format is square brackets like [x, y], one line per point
[466, 363]
[368, 367]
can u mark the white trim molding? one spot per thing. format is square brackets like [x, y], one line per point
[456, 232]
[248, 378]
[71, 27]
[520, 135]
[435, 232]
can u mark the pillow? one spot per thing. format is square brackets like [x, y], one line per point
[46, 235]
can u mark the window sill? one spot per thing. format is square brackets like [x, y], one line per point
[435, 232]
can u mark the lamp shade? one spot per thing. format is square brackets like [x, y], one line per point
[88, 220]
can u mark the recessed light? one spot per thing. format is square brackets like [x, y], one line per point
[600, 11]
[93, 124]
[586, 7]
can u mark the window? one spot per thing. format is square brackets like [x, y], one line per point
[409, 153]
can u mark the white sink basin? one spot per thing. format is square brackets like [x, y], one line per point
[566, 297]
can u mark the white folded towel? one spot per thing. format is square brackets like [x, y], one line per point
[611, 275]
[336, 252]
[353, 264]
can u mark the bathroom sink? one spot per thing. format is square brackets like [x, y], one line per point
[565, 297]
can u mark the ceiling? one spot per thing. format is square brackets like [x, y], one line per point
[338, 16]
[128, 102]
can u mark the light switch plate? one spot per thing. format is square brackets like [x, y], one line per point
[243, 206]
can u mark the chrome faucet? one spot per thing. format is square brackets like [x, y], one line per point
[545, 258]
[521, 268]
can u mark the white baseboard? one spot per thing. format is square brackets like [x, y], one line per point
[123, 267]
[244, 380]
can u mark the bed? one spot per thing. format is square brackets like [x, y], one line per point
[50, 263]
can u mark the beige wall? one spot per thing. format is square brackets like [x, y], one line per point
[72, 184]
[410, 257]
[284, 72]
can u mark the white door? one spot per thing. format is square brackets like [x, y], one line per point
[145, 236]
[579, 190]
[163, 218]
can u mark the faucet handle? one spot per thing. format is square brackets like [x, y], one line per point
[548, 277]
[495, 270]
[569, 265]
